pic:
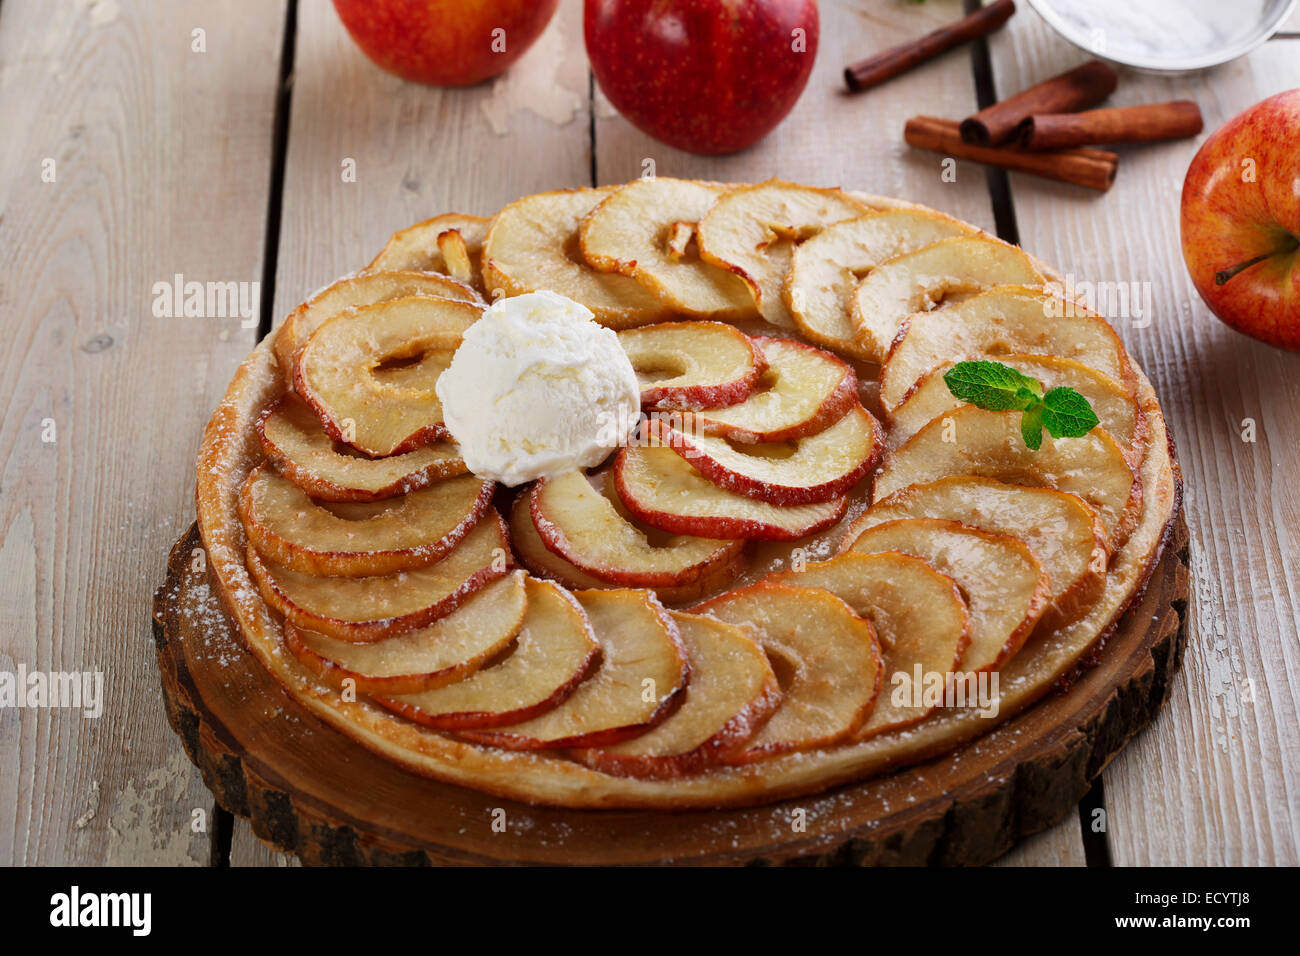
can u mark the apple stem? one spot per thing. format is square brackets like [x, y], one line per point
[1223, 275]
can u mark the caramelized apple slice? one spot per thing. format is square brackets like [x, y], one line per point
[920, 281]
[1115, 407]
[803, 391]
[751, 231]
[1010, 320]
[825, 270]
[361, 610]
[582, 526]
[920, 618]
[286, 526]
[692, 364]
[645, 229]
[349, 293]
[296, 443]
[552, 653]
[642, 671]
[1003, 582]
[664, 491]
[825, 657]
[1061, 530]
[731, 694]
[533, 244]
[446, 651]
[820, 467]
[451, 243]
[974, 441]
[351, 372]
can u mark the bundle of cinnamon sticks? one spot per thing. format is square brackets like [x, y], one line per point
[1047, 130]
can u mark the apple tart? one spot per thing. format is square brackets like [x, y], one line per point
[723, 612]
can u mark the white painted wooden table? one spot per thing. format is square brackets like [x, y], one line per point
[208, 138]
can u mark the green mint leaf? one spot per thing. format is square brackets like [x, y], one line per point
[1031, 427]
[1067, 414]
[992, 385]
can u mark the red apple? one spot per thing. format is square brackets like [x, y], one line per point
[708, 76]
[1241, 221]
[445, 42]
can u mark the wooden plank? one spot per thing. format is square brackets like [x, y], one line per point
[832, 138]
[418, 151]
[1061, 845]
[247, 850]
[153, 175]
[1217, 780]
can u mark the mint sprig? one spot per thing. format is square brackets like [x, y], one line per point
[1062, 411]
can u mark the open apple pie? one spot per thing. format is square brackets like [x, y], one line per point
[738, 601]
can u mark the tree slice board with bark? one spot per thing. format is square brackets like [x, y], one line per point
[308, 790]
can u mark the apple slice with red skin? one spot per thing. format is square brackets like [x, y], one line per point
[663, 490]
[826, 659]
[445, 652]
[803, 391]
[350, 292]
[642, 671]
[367, 609]
[692, 364]
[820, 467]
[361, 538]
[451, 243]
[350, 372]
[1003, 581]
[1061, 529]
[582, 526]
[919, 615]
[732, 693]
[553, 652]
[296, 443]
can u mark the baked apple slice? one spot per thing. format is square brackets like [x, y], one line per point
[1011, 320]
[692, 364]
[922, 280]
[731, 694]
[582, 525]
[552, 653]
[1003, 582]
[975, 441]
[533, 244]
[446, 651]
[451, 243]
[358, 538]
[752, 230]
[825, 270]
[370, 372]
[646, 230]
[820, 467]
[296, 443]
[803, 391]
[826, 659]
[919, 614]
[1118, 412]
[641, 673]
[349, 293]
[367, 609]
[663, 490]
[1061, 530]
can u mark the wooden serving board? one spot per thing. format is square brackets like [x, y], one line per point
[309, 790]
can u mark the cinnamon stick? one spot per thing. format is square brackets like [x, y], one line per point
[1123, 124]
[1093, 168]
[885, 66]
[1076, 89]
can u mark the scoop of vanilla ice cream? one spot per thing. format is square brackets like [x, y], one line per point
[537, 388]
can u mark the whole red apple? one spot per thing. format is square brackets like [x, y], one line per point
[1241, 221]
[708, 76]
[445, 42]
